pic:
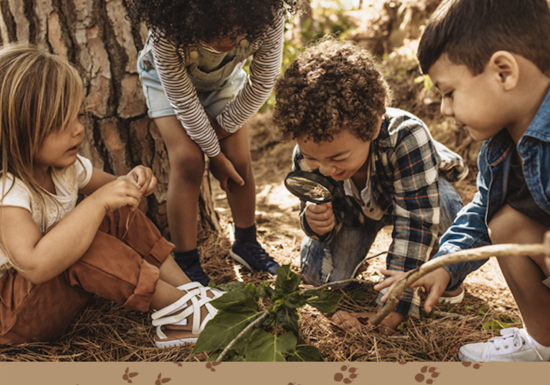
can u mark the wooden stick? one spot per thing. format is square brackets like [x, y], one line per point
[504, 250]
[250, 326]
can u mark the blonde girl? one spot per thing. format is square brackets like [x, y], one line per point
[56, 255]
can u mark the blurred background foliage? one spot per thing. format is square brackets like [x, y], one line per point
[390, 29]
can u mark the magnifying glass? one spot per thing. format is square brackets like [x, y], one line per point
[312, 187]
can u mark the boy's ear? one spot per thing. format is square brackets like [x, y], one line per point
[505, 67]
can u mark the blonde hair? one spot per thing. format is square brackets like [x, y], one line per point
[40, 94]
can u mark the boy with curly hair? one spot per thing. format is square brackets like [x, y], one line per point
[200, 98]
[497, 88]
[333, 101]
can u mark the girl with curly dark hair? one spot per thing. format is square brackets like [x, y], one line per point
[200, 97]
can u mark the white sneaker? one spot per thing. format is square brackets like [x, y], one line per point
[514, 345]
[453, 300]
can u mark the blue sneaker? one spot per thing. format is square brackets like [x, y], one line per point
[253, 256]
[195, 272]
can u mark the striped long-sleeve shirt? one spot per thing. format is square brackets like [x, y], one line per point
[180, 91]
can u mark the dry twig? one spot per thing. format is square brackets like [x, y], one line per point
[246, 329]
[505, 250]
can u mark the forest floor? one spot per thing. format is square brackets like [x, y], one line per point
[106, 331]
[488, 300]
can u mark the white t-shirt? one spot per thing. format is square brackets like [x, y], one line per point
[67, 182]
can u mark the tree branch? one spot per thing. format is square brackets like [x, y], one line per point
[250, 326]
[337, 283]
[505, 250]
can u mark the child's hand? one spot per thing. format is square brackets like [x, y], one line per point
[143, 178]
[223, 170]
[220, 132]
[434, 283]
[394, 277]
[320, 217]
[118, 193]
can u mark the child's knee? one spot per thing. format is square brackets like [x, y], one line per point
[243, 165]
[510, 226]
[188, 166]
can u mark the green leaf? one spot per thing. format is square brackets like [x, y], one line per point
[239, 347]
[306, 353]
[287, 282]
[230, 356]
[495, 324]
[227, 286]
[222, 329]
[213, 357]
[237, 300]
[483, 310]
[357, 295]
[419, 79]
[266, 347]
[430, 315]
[265, 290]
[300, 340]
[508, 319]
[325, 301]
[288, 319]
[252, 289]
[295, 300]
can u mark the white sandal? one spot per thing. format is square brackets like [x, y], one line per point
[198, 295]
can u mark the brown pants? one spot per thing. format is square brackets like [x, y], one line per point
[121, 265]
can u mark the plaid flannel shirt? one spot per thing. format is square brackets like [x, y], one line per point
[406, 162]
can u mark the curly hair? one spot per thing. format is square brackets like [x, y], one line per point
[331, 86]
[186, 22]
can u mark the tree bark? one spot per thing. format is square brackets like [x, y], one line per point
[98, 38]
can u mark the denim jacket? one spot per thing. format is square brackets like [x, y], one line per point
[469, 230]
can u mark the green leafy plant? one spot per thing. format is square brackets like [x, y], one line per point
[242, 332]
[428, 84]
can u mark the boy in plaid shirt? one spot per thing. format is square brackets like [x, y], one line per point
[332, 101]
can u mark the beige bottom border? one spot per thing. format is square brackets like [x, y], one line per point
[364, 373]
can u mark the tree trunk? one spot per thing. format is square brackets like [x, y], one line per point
[97, 37]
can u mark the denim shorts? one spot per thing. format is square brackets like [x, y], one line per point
[158, 105]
